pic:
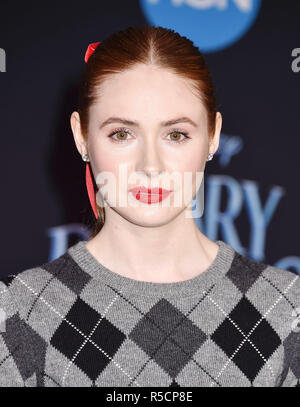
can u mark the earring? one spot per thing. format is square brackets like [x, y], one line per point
[210, 157]
[89, 185]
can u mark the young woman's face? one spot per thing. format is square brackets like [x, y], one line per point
[145, 151]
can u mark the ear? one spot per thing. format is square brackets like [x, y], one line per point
[214, 143]
[77, 134]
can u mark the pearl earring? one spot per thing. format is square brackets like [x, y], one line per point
[85, 157]
[210, 157]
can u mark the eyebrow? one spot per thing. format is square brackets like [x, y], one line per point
[127, 122]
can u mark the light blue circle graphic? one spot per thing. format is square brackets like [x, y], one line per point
[211, 24]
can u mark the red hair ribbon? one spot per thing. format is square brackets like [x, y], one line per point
[90, 49]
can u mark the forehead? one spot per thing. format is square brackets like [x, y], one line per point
[147, 90]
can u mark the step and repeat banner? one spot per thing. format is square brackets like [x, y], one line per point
[252, 197]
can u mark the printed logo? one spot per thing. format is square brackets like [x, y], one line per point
[211, 24]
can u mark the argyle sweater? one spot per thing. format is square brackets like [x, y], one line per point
[72, 322]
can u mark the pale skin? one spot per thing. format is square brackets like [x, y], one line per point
[153, 244]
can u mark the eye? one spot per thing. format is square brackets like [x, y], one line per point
[178, 134]
[121, 132]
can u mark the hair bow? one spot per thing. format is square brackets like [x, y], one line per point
[90, 49]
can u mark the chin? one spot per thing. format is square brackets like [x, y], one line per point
[150, 217]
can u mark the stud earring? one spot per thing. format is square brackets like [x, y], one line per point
[85, 157]
[210, 157]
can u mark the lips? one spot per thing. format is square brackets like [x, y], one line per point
[149, 195]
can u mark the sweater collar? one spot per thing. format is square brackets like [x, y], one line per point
[191, 287]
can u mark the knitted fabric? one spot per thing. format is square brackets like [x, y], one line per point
[72, 322]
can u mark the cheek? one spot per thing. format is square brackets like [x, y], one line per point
[106, 158]
[115, 169]
[191, 168]
[192, 162]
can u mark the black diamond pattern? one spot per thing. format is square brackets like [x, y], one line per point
[67, 340]
[174, 384]
[229, 338]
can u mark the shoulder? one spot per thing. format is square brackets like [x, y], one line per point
[35, 302]
[46, 289]
[267, 292]
[20, 290]
[31, 303]
[248, 274]
[271, 298]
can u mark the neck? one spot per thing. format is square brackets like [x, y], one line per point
[170, 252]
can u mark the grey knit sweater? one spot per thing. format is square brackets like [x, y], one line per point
[72, 322]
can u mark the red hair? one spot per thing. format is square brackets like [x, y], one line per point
[159, 46]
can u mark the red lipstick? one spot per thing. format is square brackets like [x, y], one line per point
[149, 195]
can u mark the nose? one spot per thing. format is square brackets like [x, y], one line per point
[150, 161]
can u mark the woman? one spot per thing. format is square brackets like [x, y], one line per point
[148, 300]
